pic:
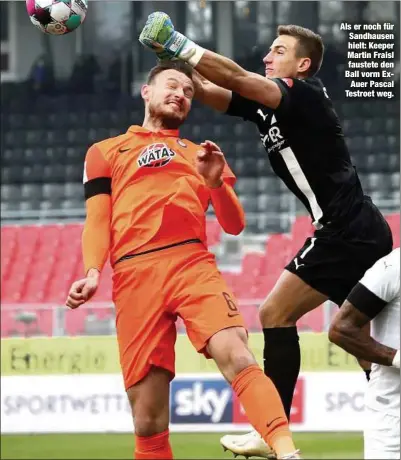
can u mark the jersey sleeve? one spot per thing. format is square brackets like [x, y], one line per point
[379, 286]
[228, 176]
[244, 108]
[97, 173]
[296, 94]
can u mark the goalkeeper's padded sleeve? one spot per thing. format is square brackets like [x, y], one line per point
[96, 234]
[185, 49]
[159, 35]
[228, 209]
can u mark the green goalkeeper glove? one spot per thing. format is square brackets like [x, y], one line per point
[159, 36]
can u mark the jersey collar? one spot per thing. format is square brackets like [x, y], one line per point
[163, 132]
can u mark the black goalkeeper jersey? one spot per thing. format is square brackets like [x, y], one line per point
[306, 147]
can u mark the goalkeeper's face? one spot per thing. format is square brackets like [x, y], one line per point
[282, 60]
[169, 98]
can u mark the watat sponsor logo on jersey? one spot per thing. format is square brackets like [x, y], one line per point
[201, 401]
[155, 156]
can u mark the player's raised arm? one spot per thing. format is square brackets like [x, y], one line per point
[218, 177]
[96, 234]
[227, 74]
[210, 94]
[159, 35]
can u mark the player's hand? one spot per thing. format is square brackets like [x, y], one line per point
[210, 163]
[159, 35]
[198, 80]
[157, 32]
[81, 291]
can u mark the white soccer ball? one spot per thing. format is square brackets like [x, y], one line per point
[57, 17]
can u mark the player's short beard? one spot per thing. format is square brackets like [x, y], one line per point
[167, 121]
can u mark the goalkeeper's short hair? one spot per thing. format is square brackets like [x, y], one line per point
[178, 65]
[310, 45]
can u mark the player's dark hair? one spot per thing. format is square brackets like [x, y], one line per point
[310, 45]
[179, 66]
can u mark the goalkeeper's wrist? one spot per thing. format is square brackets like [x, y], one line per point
[396, 360]
[186, 49]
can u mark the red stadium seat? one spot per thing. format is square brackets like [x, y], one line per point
[213, 232]
[252, 263]
[244, 286]
[12, 287]
[12, 324]
[39, 263]
[312, 321]
[34, 289]
[230, 278]
[8, 239]
[264, 285]
[251, 317]
[302, 228]
[75, 321]
[394, 222]
[278, 254]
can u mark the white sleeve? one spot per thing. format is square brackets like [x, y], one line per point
[383, 278]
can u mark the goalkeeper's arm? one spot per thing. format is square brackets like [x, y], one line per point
[227, 74]
[210, 94]
[160, 36]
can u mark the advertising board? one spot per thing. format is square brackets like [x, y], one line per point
[198, 403]
[99, 355]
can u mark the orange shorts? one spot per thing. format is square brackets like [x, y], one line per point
[151, 290]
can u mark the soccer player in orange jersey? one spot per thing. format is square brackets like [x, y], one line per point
[146, 193]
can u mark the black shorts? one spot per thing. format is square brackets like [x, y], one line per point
[334, 260]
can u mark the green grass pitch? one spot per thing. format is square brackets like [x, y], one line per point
[185, 446]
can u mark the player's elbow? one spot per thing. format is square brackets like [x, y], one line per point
[235, 226]
[234, 230]
[338, 333]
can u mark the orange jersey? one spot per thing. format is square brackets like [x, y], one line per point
[157, 195]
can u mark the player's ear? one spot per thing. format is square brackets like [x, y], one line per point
[145, 92]
[304, 65]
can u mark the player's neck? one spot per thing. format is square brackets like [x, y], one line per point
[153, 124]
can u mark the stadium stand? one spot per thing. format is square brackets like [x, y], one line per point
[44, 140]
[43, 161]
[39, 262]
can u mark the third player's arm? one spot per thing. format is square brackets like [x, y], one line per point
[348, 331]
[227, 74]
[228, 209]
